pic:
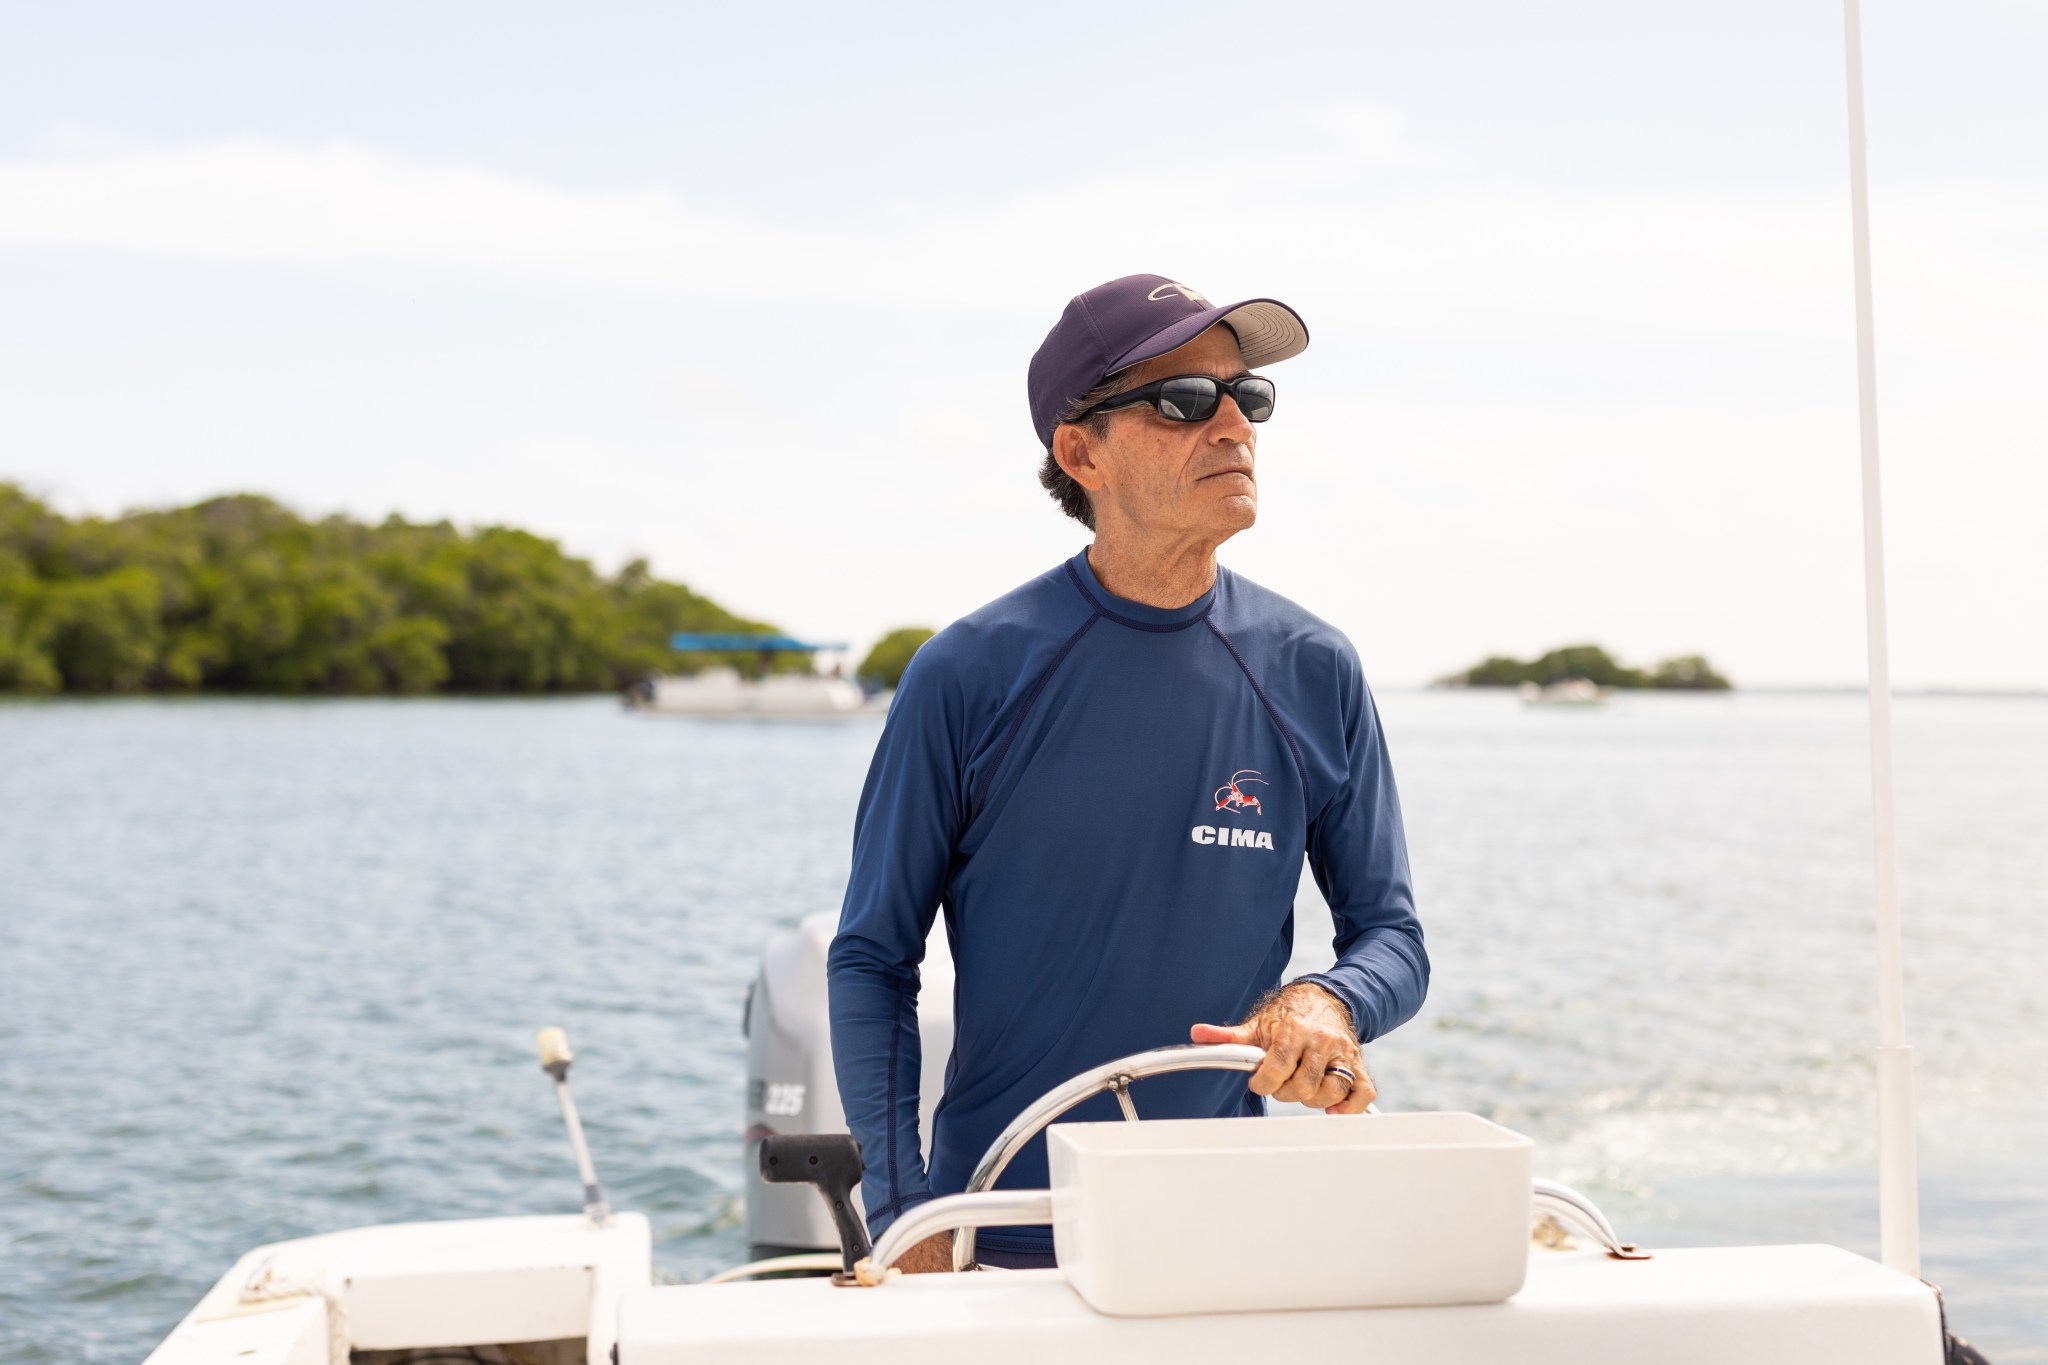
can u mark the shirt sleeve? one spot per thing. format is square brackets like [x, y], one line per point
[910, 816]
[1359, 854]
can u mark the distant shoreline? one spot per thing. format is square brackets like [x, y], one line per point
[1394, 689]
[241, 595]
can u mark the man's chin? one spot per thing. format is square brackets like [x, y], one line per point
[1236, 513]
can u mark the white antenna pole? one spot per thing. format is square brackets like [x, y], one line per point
[1898, 1185]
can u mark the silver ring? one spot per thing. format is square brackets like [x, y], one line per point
[1350, 1078]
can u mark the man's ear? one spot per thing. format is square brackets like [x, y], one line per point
[1075, 453]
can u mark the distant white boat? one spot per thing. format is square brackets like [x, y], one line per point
[723, 692]
[1570, 692]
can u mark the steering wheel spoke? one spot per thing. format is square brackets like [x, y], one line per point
[1114, 1077]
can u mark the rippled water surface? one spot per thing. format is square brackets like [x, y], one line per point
[273, 968]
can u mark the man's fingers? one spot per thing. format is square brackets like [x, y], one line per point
[1306, 1082]
[1283, 1055]
[1361, 1094]
[1305, 1032]
[1332, 1089]
[1221, 1033]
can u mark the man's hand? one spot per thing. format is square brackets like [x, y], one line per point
[931, 1256]
[1305, 1030]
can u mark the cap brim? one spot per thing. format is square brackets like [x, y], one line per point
[1267, 331]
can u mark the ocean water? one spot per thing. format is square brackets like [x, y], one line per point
[270, 968]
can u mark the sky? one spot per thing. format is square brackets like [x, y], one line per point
[750, 291]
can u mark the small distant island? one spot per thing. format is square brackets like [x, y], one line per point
[242, 594]
[1590, 663]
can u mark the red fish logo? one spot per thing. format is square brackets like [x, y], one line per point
[1233, 797]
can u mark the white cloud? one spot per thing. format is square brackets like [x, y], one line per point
[259, 202]
[1557, 382]
[1466, 262]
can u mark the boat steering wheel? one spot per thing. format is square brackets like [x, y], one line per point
[1115, 1078]
[977, 1206]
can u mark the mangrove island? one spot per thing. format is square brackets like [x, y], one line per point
[1684, 673]
[242, 594]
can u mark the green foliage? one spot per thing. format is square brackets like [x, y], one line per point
[1689, 672]
[241, 593]
[102, 632]
[1496, 671]
[891, 655]
[1590, 662]
[652, 611]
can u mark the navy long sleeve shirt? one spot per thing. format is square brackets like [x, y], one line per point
[1110, 803]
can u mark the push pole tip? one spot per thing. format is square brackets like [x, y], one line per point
[866, 1274]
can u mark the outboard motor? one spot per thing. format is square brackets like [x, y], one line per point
[790, 1086]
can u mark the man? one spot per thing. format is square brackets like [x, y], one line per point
[1107, 780]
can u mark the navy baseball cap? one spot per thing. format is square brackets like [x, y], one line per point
[1116, 325]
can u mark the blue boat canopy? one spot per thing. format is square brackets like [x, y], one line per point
[732, 644]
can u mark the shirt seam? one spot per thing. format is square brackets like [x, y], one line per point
[895, 1053]
[1272, 713]
[899, 1204]
[1154, 627]
[1002, 754]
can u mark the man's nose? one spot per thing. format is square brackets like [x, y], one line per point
[1229, 423]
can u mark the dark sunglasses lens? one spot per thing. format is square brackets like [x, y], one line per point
[1254, 398]
[1191, 398]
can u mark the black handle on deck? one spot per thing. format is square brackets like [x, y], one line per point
[831, 1161]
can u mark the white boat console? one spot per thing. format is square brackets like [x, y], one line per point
[1378, 1237]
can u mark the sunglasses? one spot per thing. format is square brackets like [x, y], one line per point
[1195, 397]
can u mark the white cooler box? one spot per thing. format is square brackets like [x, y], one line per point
[1207, 1215]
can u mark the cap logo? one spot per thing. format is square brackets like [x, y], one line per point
[1176, 287]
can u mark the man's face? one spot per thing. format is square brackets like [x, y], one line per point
[1191, 479]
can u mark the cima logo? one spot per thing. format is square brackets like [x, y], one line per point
[1233, 797]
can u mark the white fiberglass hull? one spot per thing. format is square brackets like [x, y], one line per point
[723, 692]
[1754, 1305]
[549, 1284]
[559, 1290]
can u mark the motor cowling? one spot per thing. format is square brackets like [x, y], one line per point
[790, 1083]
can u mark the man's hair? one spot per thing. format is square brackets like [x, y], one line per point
[1071, 497]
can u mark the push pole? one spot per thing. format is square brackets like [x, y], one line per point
[555, 1058]
[1898, 1192]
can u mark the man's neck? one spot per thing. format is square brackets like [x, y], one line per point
[1166, 576]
